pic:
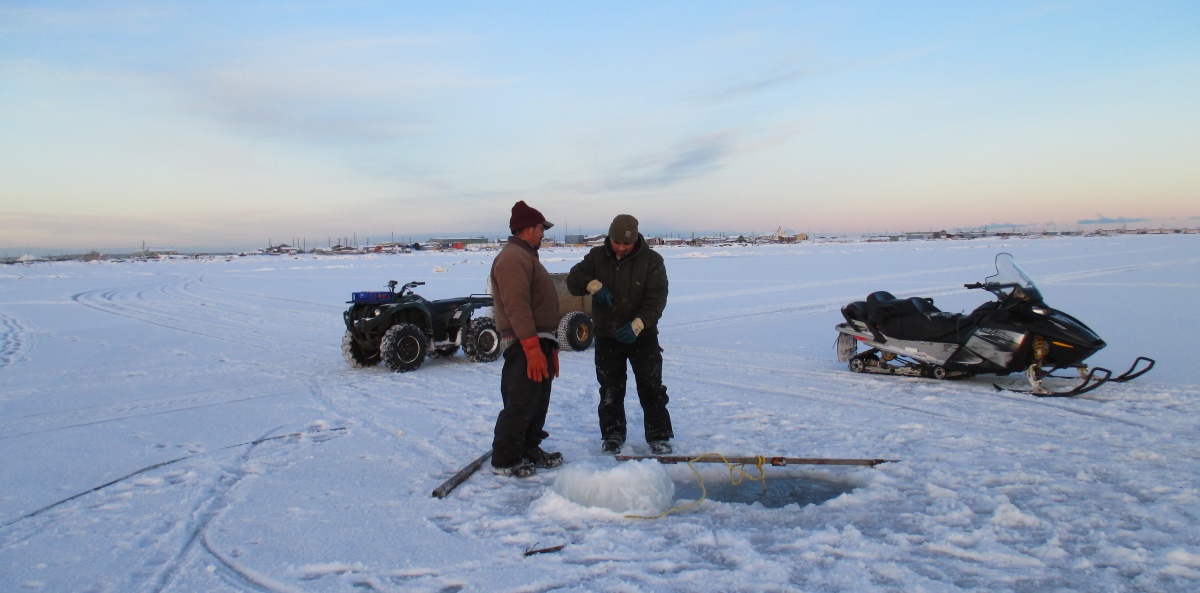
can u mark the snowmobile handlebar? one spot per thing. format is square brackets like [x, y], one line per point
[974, 285]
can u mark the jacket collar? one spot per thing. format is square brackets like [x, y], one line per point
[515, 240]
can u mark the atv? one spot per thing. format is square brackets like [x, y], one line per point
[402, 328]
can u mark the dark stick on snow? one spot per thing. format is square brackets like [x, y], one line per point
[461, 476]
[775, 461]
[530, 551]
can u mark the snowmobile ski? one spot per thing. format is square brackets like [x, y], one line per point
[1130, 374]
[1088, 381]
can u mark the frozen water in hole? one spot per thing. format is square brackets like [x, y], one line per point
[782, 489]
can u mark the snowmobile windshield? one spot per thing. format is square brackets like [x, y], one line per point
[1011, 281]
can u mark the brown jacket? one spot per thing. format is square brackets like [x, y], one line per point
[526, 300]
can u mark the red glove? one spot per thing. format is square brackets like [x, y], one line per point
[535, 359]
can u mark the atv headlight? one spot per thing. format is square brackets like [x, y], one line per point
[376, 312]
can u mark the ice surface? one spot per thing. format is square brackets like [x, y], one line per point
[191, 425]
[638, 487]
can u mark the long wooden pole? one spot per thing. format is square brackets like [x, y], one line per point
[775, 461]
[461, 476]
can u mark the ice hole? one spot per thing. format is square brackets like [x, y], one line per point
[648, 487]
[783, 487]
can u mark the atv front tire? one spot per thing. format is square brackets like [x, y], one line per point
[481, 342]
[575, 331]
[356, 355]
[404, 346]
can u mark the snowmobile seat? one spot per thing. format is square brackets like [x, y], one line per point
[881, 305]
[923, 306]
[913, 318]
[856, 311]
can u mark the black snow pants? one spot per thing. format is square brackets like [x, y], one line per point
[645, 356]
[519, 427]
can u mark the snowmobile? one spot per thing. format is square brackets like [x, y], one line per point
[1017, 332]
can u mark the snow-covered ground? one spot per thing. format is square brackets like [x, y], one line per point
[191, 426]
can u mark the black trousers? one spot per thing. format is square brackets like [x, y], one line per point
[519, 427]
[645, 356]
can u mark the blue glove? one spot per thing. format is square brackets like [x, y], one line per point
[626, 335]
[602, 297]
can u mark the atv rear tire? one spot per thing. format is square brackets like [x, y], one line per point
[356, 355]
[575, 331]
[481, 343]
[404, 346]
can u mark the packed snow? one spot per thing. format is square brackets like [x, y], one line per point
[191, 425]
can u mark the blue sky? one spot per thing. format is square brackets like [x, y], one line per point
[225, 124]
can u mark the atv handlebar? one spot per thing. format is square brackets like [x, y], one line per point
[407, 287]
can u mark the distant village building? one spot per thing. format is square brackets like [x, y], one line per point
[456, 242]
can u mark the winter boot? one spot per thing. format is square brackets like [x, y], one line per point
[542, 459]
[612, 446]
[524, 469]
[660, 447]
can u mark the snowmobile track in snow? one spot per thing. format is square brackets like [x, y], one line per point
[15, 341]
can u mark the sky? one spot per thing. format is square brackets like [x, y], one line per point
[206, 125]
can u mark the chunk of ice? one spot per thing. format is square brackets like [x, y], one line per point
[639, 486]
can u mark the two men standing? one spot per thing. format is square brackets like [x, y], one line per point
[628, 284]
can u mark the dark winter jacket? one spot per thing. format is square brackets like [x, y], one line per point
[638, 284]
[526, 300]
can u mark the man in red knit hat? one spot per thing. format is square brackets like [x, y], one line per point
[526, 312]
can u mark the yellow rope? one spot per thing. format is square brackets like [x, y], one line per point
[737, 475]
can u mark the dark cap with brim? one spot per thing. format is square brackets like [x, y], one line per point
[525, 216]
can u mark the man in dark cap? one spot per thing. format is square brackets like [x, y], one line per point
[628, 284]
[526, 309]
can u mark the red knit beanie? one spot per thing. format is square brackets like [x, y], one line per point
[524, 216]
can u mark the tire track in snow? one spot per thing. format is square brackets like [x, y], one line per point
[250, 307]
[181, 315]
[101, 414]
[15, 341]
[215, 501]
